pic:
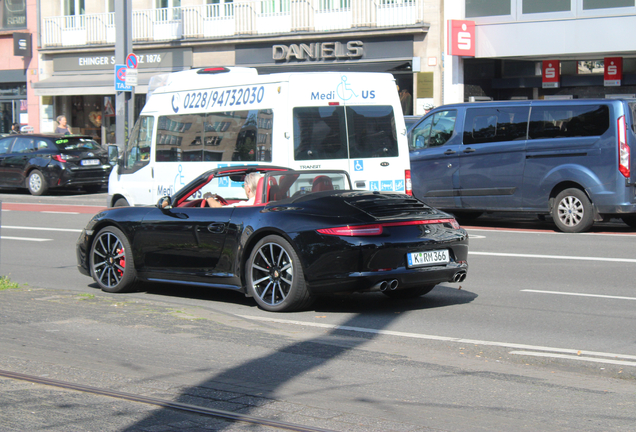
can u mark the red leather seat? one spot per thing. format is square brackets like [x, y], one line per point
[321, 183]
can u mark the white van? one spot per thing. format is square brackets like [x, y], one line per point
[201, 119]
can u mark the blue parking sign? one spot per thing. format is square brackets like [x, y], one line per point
[120, 79]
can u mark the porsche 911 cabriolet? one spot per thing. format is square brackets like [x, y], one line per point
[306, 234]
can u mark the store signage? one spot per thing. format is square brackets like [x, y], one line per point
[22, 44]
[177, 58]
[613, 73]
[461, 38]
[551, 74]
[318, 51]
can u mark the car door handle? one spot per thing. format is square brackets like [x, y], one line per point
[449, 152]
[469, 150]
[216, 227]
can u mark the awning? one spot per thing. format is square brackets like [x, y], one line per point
[87, 84]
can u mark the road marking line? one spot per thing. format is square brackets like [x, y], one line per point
[41, 228]
[573, 357]
[540, 231]
[25, 239]
[59, 212]
[562, 257]
[579, 294]
[443, 338]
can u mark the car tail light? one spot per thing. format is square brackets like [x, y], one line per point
[408, 185]
[377, 229]
[59, 157]
[334, 103]
[623, 148]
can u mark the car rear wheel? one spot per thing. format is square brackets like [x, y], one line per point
[36, 183]
[275, 277]
[111, 261]
[409, 293]
[572, 211]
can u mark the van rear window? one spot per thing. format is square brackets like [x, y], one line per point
[338, 132]
[568, 121]
[226, 136]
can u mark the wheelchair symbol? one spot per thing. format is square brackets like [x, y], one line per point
[358, 165]
[344, 92]
[178, 179]
[374, 186]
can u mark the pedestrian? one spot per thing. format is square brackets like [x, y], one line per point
[62, 127]
[15, 128]
[407, 102]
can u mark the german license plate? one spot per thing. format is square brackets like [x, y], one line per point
[86, 162]
[418, 259]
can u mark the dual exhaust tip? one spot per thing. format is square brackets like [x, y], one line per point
[385, 285]
[459, 276]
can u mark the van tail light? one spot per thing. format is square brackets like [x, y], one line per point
[408, 186]
[378, 229]
[623, 148]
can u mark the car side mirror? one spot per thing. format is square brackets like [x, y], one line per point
[164, 203]
[113, 154]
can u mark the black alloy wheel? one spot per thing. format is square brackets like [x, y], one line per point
[111, 261]
[275, 277]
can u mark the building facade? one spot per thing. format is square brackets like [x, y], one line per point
[19, 68]
[77, 63]
[536, 49]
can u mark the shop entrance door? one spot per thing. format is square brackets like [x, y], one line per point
[6, 116]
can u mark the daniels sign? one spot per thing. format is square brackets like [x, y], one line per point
[318, 51]
[461, 38]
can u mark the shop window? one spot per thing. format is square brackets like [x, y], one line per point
[607, 4]
[543, 6]
[483, 8]
[488, 125]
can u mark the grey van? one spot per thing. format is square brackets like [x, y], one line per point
[567, 158]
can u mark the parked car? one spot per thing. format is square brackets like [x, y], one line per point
[572, 159]
[307, 234]
[41, 162]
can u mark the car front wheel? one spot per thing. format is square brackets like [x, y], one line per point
[572, 211]
[111, 261]
[36, 183]
[275, 277]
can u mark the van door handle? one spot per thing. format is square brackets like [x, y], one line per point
[216, 227]
[449, 152]
[469, 150]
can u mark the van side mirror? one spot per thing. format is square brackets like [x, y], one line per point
[113, 154]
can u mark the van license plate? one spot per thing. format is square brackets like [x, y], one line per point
[86, 162]
[418, 259]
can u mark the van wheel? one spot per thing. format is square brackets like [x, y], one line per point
[572, 211]
[121, 202]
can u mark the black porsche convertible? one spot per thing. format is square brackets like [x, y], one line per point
[307, 234]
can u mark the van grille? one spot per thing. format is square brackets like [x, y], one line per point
[390, 205]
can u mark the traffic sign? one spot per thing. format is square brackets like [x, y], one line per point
[120, 79]
[132, 61]
[131, 77]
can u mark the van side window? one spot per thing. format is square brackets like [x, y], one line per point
[224, 136]
[487, 125]
[434, 131]
[326, 132]
[137, 151]
[568, 121]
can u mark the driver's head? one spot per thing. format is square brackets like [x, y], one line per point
[251, 182]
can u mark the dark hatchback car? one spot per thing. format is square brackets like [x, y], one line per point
[41, 162]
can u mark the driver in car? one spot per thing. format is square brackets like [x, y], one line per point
[249, 185]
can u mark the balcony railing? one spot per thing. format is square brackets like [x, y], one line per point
[250, 17]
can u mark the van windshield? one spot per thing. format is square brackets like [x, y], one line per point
[338, 132]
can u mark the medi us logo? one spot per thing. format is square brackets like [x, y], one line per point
[344, 91]
[176, 100]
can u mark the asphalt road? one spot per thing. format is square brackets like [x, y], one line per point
[539, 337]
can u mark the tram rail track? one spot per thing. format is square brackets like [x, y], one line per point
[211, 412]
